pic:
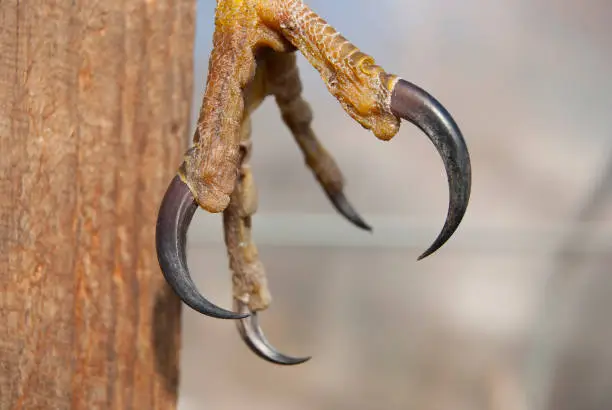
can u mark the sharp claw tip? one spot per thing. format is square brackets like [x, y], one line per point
[174, 217]
[415, 105]
[293, 362]
[363, 225]
[342, 205]
[428, 252]
[303, 360]
[358, 222]
[253, 336]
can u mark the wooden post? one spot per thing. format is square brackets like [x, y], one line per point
[94, 119]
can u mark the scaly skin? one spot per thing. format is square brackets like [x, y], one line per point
[362, 87]
[210, 167]
[283, 82]
[253, 56]
[242, 29]
[250, 285]
[277, 75]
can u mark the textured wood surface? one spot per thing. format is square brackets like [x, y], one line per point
[94, 106]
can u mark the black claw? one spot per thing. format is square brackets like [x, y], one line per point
[254, 338]
[343, 206]
[415, 105]
[175, 214]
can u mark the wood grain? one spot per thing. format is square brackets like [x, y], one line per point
[94, 116]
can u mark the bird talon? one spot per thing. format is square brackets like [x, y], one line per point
[175, 215]
[240, 77]
[253, 336]
[344, 207]
[285, 84]
[415, 105]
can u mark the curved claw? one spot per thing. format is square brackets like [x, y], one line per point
[343, 206]
[254, 338]
[175, 214]
[415, 105]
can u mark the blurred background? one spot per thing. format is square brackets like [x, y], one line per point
[511, 314]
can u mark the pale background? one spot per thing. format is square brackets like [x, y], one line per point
[511, 314]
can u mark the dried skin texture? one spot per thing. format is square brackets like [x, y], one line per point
[283, 81]
[242, 29]
[277, 74]
[211, 166]
[94, 105]
[249, 279]
[362, 87]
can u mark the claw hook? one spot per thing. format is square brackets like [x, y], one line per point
[253, 336]
[413, 104]
[344, 207]
[175, 214]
